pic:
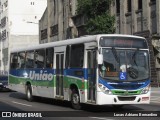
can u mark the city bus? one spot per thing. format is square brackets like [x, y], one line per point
[105, 69]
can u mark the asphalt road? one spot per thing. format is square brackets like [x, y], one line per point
[15, 103]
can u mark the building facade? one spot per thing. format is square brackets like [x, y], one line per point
[56, 23]
[19, 26]
[136, 17]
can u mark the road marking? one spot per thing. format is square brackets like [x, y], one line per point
[154, 96]
[155, 101]
[21, 104]
[101, 118]
[155, 91]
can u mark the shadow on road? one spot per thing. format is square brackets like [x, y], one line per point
[5, 107]
[85, 107]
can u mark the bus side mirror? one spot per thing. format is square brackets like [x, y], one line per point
[100, 59]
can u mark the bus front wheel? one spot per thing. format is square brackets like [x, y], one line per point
[75, 100]
[29, 93]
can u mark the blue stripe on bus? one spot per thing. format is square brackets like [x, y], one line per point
[75, 72]
[26, 72]
[121, 85]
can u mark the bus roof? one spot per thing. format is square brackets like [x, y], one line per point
[82, 39]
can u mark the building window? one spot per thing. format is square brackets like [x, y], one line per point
[139, 4]
[54, 7]
[54, 30]
[3, 22]
[129, 6]
[152, 2]
[32, 3]
[2, 8]
[63, 5]
[6, 4]
[118, 6]
[4, 35]
[0, 36]
[43, 34]
[70, 5]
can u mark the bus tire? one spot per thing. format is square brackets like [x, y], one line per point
[75, 100]
[29, 93]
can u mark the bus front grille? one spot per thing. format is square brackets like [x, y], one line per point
[126, 98]
[117, 92]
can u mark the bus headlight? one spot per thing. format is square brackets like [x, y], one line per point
[104, 89]
[146, 90]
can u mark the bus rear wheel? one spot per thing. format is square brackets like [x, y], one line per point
[29, 93]
[75, 100]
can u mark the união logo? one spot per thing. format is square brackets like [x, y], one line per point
[43, 75]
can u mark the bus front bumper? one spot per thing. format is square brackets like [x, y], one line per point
[103, 99]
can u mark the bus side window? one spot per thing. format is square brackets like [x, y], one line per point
[21, 59]
[14, 61]
[68, 53]
[77, 56]
[29, 59]
[39, 58]
[49, 57]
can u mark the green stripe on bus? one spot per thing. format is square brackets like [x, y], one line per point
[66, 83]
[121, 92]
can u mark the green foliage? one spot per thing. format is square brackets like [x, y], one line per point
[99, 18]
[101, 24]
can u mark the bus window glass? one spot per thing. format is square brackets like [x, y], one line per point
[21, 57]
[68, 56]
[30, 59]
[77, 56]
[14, 61]
[130, 61]
[39, 58]
[49, 57]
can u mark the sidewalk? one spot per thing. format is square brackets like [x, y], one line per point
[155, 89]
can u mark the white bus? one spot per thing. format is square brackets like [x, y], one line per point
[101, 69]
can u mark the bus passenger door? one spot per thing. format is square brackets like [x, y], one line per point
[91, 65]
[59, 74]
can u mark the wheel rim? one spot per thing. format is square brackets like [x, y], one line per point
[75, 99]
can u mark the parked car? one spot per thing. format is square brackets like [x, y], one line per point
[3, 82]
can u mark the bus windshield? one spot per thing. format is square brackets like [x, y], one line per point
[131, 63]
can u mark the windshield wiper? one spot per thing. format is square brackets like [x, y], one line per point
[115, 54]
[134, 57]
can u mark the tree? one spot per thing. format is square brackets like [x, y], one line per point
[99, 18]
